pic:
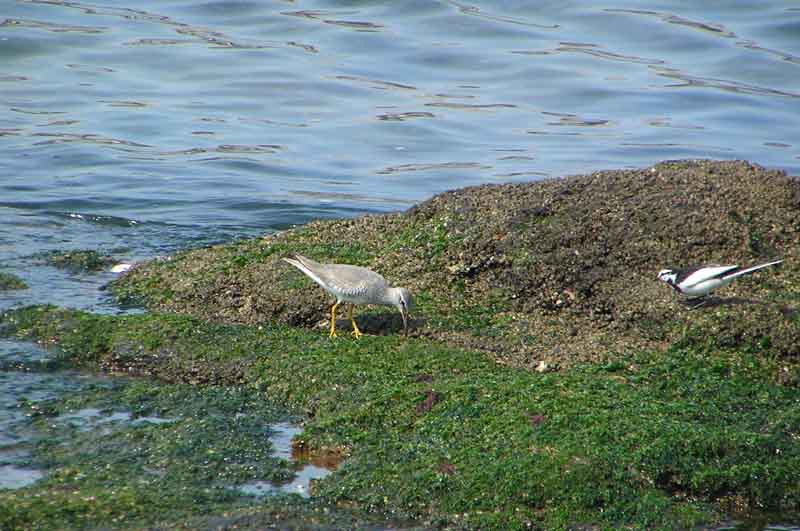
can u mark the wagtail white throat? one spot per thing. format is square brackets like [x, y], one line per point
[696, 282]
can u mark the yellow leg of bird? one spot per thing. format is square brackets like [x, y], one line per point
[333, 319]
[356, 332]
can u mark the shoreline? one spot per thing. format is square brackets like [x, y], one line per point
[550, 381]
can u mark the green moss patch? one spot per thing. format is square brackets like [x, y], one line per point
[179, 457]
[79, 260]
[548, 273]
[9, 282]
[446, 437]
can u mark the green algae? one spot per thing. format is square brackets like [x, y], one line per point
[127, 474]
[556, 272]
[446, 437]
[79, 260]
[657, 417]
[9, 282]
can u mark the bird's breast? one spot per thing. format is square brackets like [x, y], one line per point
[703, 288]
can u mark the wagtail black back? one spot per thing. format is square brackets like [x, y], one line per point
[700, 281]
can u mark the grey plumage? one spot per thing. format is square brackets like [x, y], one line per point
[354, 285]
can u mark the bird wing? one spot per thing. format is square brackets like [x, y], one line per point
[354, 281]
[341, 279]
[706, 273]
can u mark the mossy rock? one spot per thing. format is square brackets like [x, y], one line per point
[10, 282]
[79, 261]
[441, 436]
[550, 272]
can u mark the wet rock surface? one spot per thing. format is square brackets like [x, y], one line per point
[10, 282]
[551, 272]
[77, 261]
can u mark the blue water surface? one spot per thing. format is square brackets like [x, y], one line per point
[141, 130]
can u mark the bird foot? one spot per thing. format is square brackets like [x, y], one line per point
[357, 333]
[698, 304]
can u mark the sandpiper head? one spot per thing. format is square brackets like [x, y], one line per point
[667, 275]
[403, 302]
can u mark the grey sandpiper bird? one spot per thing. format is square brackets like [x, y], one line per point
[354, 285]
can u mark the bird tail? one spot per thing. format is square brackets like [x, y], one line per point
[307, 262]
[306, 266]
[751, 269]
[299, 262]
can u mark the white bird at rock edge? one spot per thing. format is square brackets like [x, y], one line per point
[697, 282]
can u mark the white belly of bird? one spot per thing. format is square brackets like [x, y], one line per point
[704, 288]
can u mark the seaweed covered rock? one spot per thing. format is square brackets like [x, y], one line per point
[539, 274]
[10, 282]
[78, 261]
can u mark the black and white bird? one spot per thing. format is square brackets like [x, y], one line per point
[696, 282]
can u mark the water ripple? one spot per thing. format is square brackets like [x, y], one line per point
[28, 111]
[783, 56]
[124, 103]
[158, 42]
[114, 221]
[226, 148]
[666, 122]
[711, 28]
[436, 166]
[377, 83]
[471, 106]
[678, 145]
[209, 36]
[593, 50]
[472, 10]
[722, 84]
[49, 26]
[324, 16]
[403, 116]
[574, 120]
[714, 29]
[334, 197]
[316, 14]
[92, 9]
[219, 39]
[355, 25]
[88, 138]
